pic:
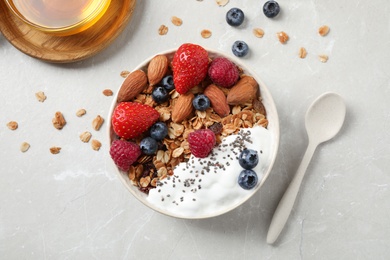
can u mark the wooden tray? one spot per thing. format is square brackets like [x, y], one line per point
[71, 48]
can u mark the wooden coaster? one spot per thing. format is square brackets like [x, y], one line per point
[63, 49]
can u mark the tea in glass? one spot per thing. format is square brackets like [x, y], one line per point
[62, 17]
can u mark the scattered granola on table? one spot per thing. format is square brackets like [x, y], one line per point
[176, 20]
[12, 125]
[302, 53]
[124, 73]
[163, 30]
[97, 122]
[323, 30]
[283, 37]
[85, 136]
[81, 112]
[222, 2]
[24, 147]
[59, 121]
[107, 92]
[258, 32]
[206, 33]
[96, 144]
[323, 58]
[41, 97]
[55, 150]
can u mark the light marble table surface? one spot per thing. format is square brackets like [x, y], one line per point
[73, 206]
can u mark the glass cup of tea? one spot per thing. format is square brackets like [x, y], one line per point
[59, 17]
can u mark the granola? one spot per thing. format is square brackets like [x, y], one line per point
[205, 33]
[163, 30]
[149, 169]
[12, 125]
[40, 95]
[59, 121]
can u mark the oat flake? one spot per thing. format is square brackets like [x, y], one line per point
[323, 58]
[107, 92]
[97, 123]
[176, 20]
[163, 30]
[81, 112]
[302, 53]
[124, 73]
[24, 147]
[222, 2]
[205, 33]
[41, 97]
[12, 125]
[258, 32]
[323, 30]
[95, 144]
[283, 37]
[55, 150]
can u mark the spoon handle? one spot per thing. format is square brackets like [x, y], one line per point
[286, 204]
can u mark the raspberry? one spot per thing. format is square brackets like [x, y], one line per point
[201, 142]
[223, 72]
[124, 154]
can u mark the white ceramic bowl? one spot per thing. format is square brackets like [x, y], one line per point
[273, 127]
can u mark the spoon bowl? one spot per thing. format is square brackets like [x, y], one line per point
[325, 117]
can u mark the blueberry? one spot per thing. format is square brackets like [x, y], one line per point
[248, 159]
[201, 102]
[240, 48]
[160, 94]
[271, 9]
[167, 83]
[235, 17]
[159, 131]
[148, 146]
[247, 179]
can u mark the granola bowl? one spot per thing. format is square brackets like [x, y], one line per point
[173, 181]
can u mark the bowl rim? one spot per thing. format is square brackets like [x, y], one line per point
[275, 125]
[86, 22]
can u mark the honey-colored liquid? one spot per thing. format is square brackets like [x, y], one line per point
[61, 13]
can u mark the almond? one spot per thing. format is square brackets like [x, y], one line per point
[134, 83]
[244, 91]
[157, 69]
[218, 100]
[183, 108]
[258, 106]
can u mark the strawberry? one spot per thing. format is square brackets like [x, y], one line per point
[190, 64]
[130, 119]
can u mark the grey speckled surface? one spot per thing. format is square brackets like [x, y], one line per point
[73, 206]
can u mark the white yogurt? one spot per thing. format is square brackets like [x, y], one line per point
[191, 192]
